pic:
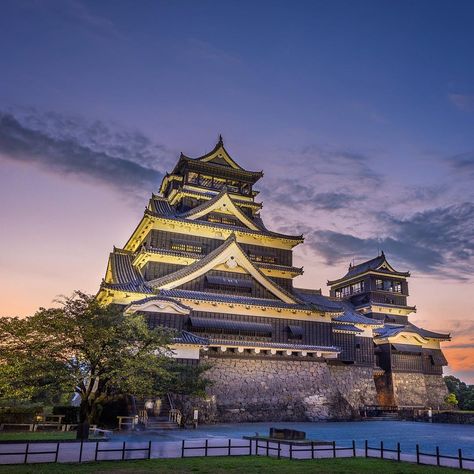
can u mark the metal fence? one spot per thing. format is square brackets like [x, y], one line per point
[87, 451]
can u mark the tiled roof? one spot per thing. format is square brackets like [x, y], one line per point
[125, 277]
[122, 269]
[161, 206]
[353, 317]
[189, 338]
[273, 345]
[232, 299]
[394, 329]
[128, 287]
[158, 298]
[363, 267]
[346, 327]
[315, 298]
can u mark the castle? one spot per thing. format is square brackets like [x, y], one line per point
[202, 261]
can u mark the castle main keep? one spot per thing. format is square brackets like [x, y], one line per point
[202, 261]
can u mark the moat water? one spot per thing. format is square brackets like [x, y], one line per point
[449, 437]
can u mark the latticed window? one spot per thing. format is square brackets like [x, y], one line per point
[180, 246]
[222, 219]
[262, 258]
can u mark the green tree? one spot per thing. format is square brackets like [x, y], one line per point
[464, 393]
[96, 351]
[451, 399]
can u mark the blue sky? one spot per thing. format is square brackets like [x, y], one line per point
[360, 113]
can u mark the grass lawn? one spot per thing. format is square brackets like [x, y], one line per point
[229, 465]
[37, 435]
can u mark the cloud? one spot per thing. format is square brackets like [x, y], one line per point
[462, 163]
[437, 241]
[63, 145]
[463, 102]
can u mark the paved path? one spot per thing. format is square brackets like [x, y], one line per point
[113, 450]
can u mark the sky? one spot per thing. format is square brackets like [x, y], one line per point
[360, 114]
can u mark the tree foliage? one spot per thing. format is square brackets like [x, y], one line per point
[464, 393]
[95, 351]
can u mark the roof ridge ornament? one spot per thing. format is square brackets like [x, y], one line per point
[221, 140]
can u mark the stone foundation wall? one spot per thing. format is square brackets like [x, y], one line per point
[436, 391]
[287, 390]
[418, 389]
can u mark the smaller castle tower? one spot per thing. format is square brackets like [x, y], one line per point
[409, 359]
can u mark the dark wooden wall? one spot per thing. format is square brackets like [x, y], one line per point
[315, 333]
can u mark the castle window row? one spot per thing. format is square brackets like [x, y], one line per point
[183, 246]
[388, 285]
[212, 182]
[350, 289]
[223, 219]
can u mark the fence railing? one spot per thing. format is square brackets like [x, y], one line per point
[418, 453]
[86, 451]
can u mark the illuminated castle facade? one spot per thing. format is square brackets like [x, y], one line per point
[202, 261]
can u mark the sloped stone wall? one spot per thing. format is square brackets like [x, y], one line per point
[436, 391]
[419, 389]
[356, 384]
[409, 389]
[287, 390]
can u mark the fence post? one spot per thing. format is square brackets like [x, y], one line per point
[381, 449]
[398, 452]
[96, 450]
[57, 453]
[26, 452]
[205, 447]
[460, 458]
[250, 448]
[182, 448]
[437, 456]
[80, 450]
[228, 451]
[123, 450]
[312, 449]
[418, 454]
[366, 449]
[256, 447]
[149, 449]
[279, 450]
[291, 451]
[333, 449]
[353, 448]
[267, 447]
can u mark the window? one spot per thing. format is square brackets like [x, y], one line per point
[222, 219]
[357, 287]
[193, 178]
[346, 291]
[180, 246]
[389, 285]
[262, 258]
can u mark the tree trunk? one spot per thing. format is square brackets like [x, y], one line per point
[83, 426]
